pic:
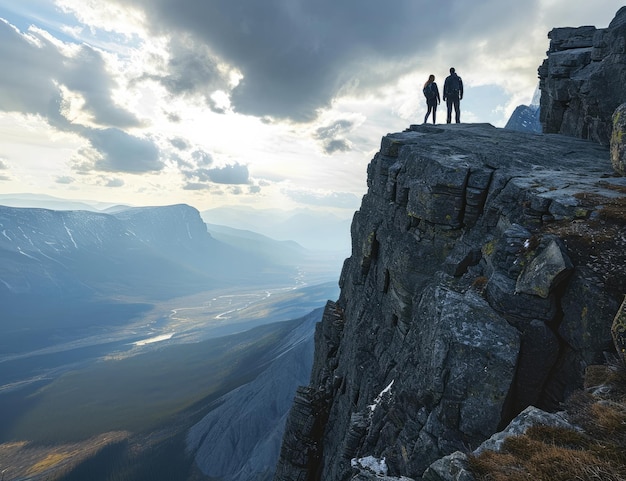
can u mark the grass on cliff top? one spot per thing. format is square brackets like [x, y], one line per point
[546, 453]
[598, 242]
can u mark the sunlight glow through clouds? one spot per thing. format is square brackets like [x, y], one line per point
[155, 101]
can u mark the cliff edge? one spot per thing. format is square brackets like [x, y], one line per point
[486, 268]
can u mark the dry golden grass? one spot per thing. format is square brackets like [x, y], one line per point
[598, 241]
[597, 452]
[22, 460]
[49, 462]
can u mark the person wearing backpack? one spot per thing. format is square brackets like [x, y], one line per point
[431, 92]
[453, 94]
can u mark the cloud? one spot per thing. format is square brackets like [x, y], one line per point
[296, 57]
[65, 179]
[192, 164]
[121, 152]
[196, 186]
[337, 145]
[202, 158]
[343, 200]
[38, 71]
[199, 175]
[4, 166]
[180, 143]
[69, 86]
[192, 70]
[114, 183]
[332, 138]
[230, 174]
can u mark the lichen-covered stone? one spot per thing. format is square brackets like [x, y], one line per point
[618, 331]
[452, 467]
[531, 416]
[618, 140]
[544, 268]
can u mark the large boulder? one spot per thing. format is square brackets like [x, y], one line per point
[454, 467]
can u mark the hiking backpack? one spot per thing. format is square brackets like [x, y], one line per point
[429, 91]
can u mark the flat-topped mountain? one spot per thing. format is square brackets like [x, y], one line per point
[62, 269]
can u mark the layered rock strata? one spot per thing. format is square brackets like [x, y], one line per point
[486, 268]
[583, 80]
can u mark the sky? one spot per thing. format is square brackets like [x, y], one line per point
[266, 104]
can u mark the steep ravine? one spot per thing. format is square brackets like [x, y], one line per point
[486, 268]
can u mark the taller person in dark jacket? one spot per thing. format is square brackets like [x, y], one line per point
[452, 94]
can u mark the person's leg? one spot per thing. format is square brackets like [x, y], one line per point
[449, 105]
[427, 114]
[457, 110]
[434, 113]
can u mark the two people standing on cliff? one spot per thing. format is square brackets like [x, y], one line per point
[452, 95]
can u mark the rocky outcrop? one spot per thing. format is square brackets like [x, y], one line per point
[582, 80]
[454, 467]
[486, 268]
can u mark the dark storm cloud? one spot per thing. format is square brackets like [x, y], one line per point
[121, 152]
[192, 71]
[296, 56]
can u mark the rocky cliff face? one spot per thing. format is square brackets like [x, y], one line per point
[486, 268]
[583, 80]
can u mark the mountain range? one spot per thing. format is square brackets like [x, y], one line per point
[316, 231]
[75, 269]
